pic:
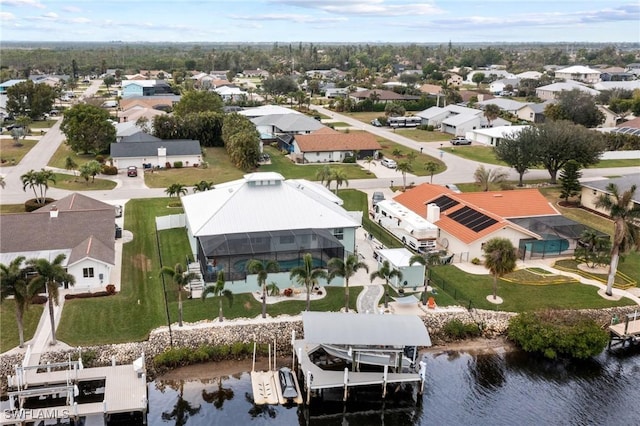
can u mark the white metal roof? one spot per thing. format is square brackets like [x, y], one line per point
[397, 257]
[500, 131]
[263, 202]
[267, 110]
[364, 330]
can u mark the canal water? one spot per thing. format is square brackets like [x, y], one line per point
[510, 388]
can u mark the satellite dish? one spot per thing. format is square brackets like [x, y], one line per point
[444, 243]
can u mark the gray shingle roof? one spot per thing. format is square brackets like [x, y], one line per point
[149, 149]
[288, 122]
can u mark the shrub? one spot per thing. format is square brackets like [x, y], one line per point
[39, 300]
[177, 164]
[288, 292]
[100, 158]
[558, 334]
[349, 159]
[31, 205]
[109, 170]
[237, 349]
[111, 289]
[475, 261]
[167, 165]
[456, 329]
[86, 295]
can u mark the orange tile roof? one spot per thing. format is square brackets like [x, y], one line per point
[511, 204]
[324, 141]
[488, 203]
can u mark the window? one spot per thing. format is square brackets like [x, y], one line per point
[338, 233]
[287, 239]
[87, 272]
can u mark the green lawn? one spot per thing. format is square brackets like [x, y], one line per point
[120, 318]
[10, 154]
[59, 158]
[424, 135]
[630, 267]
[9, 328]
[418, 165]
[76, 183]
[617, 163]
[465, 287]
[11, 208]
[338, 124]
[290, 170]
[219, 170]
[43, 124]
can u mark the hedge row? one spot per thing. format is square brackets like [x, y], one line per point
[178, 357]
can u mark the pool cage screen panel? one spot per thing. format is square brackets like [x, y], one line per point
[231, 252]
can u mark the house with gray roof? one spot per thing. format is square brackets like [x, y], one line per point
[156, 154]
[80, 227]
[508, 105]
[593, 189]
[274, 125]
[533, 112]
[551, 91]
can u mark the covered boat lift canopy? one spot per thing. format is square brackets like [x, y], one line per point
[364, 330]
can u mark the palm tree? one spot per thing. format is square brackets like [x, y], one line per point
[626, 232]
[262, 269]
[12, 282]
[93, 167]
[491, 112]
[500, 259]
[339, 177]
[386, 273]
[485, 177]
[411, 156]
[202, 186]
[177, 189]
[323, 174]
[52, 275]
[307, 275]
[218, 290]
[368, 161]
[345, 269]
[180, 278]
[70, 164]
[404, 167]
[430, 260]
[218, 397]
[181, 410]
[38, 182]
[431, 167]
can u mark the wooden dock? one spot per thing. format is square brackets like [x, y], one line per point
[626, 332]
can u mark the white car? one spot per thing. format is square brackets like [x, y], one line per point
[388, 162]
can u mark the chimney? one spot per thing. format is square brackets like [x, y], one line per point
[162, 151]
[433, 213]
[480, 97]
[53, 213]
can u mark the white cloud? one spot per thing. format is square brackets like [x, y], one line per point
[6, 16]
[369, 8]
[72, 9]
[300, 19]
[79, 20]
[23, 3]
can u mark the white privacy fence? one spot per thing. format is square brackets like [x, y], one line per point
[170, 222]
[621, 155]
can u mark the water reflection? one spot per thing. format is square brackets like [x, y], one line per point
[496, 389]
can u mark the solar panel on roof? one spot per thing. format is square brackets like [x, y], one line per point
[472, 219]
[445, 203]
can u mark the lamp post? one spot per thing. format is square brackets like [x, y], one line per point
[421, 148]
[392, 184]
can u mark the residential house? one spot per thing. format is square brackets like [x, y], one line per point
[622, 85]
[157, 74]
[634, 69]
[551, 91]
[579, 73]
[336, 92]
[131, 88]
[533, 112]
[163, 153]
[274, 125]
[398, 258]
[491, 75]
[593, 189]
[81, 228]
[263, 216]
[382, 96]
[267, 110]
[230, 93]
[529, 75]
[467, 220]
[158, 102]
[255, 73]
[5, 85]
[611, 119]
[493, 135]
[499, 87]
[506, 105]
[137, 112]
[327, 145]
[137, 77]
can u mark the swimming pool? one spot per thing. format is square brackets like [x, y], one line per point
[285, 265]
[550, 244]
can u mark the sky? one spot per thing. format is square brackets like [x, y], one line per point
[350, 21]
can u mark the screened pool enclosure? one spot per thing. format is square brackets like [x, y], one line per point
[231, 252]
